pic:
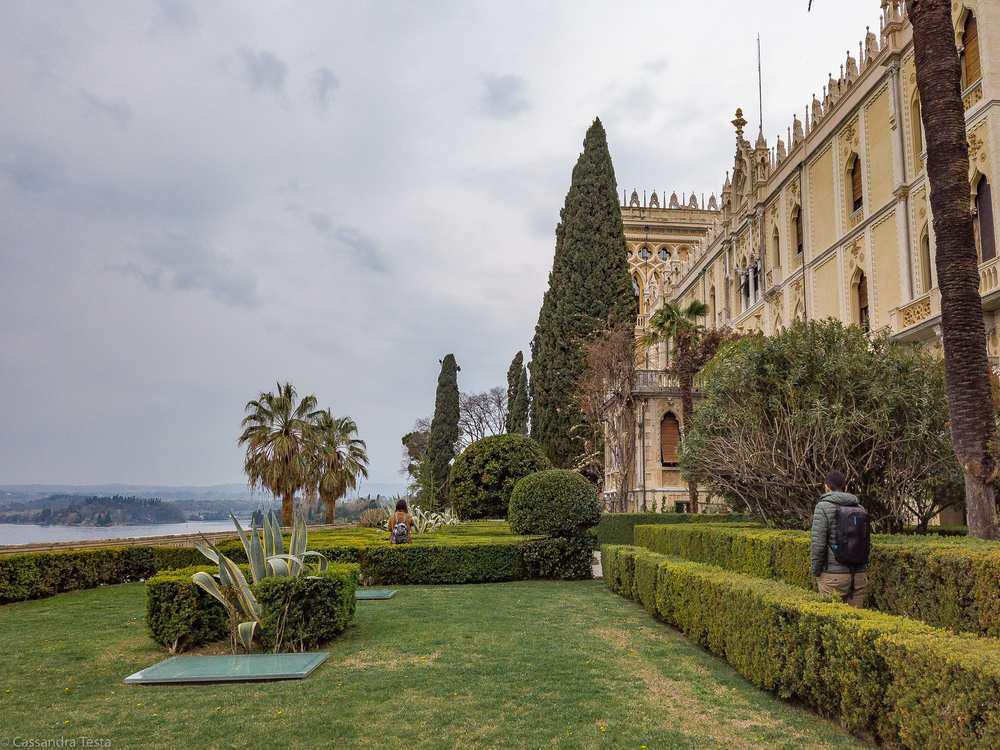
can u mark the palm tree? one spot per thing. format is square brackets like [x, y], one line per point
[338, 459]
[679, 328]
[276, 432]
[973, 431]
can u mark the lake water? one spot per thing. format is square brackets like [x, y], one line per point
[16, 533]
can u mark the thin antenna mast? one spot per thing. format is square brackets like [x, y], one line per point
[760, 87]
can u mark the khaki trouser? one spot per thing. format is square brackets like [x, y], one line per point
[850, 587]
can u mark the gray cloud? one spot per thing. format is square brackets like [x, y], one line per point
[173, 17]
[362, 249]
[433, 224]
[176, 263]
[262, 71]
[504, 96]
[117, 110]
[324, 83]
[29, 172]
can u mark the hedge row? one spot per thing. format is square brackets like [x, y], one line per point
[306, 611]
[457, 557]
[616, 528]
[903, 682]
[947, 582]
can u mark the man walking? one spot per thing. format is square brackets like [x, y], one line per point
[841, 542]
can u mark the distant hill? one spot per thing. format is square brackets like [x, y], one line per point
[76, 510]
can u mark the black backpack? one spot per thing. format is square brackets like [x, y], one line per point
[852, 540]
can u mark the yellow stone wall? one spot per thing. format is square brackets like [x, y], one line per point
[826, 289]
[822, 203]
[886, 293]
[878, 152]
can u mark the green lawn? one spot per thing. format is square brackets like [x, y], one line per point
[527, 664]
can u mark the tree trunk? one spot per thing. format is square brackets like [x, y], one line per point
[287, 508]
[970, 405]
[687, 410]
[330, 511]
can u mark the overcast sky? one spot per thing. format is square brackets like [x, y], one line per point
[200, 198]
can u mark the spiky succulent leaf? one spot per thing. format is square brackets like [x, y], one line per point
[207, 551]
[207, 583]
[246, 630]
[248, 602]
[278, 568]
[321, 562]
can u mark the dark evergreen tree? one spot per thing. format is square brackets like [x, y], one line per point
[589, 288]
[444, 435]
[518, 414]
[513, 379]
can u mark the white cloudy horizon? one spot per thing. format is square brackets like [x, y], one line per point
[198, 200]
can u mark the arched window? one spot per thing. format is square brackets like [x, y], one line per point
[861, 300]
[917, 125]
[984, 220]
[972, 70]
[712, 309]
[857, 197]
[797, 229]
[670, 439]
[926, 280]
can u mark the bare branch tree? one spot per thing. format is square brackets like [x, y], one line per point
[605, 397]
[481, 415]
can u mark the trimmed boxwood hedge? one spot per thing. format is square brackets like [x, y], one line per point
[948, 582]
[484, 474]
[904, 682]
[308, 610]
[469, 553]
[554, 502]
[616, 528]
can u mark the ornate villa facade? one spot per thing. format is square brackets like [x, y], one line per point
[831, 220]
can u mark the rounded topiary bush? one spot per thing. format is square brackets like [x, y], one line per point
[484, 474]
[556, 502]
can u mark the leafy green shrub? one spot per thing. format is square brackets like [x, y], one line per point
[616, 528]
[299, 613]
[949, 582]
[484, 474]
[464, 553]
[778, 412]
[303, 612]
[560, 558]
[181, 616]
[904, 682]
[33, 575]
[555, 502]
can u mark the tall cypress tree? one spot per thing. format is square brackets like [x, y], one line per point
[589, 287]
[444, 435]
[513, 378]
[517, 416]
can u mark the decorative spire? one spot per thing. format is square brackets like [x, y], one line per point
[739, 122]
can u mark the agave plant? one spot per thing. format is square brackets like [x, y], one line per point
[265, 554]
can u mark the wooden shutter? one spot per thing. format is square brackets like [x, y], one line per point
[984, 215]
[856, 199]
[970, 40]
[670, 439]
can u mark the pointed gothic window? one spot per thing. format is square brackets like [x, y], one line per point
[670, 439]
[861, 290]
[857, 197]
[984, 220]
[776, 249]
[926, 280]
[797, 229]
[971, 68]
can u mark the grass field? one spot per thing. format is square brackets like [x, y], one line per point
[527, 664]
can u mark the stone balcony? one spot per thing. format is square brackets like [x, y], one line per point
[655, 383]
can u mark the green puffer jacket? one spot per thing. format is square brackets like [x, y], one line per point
[823, 527]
